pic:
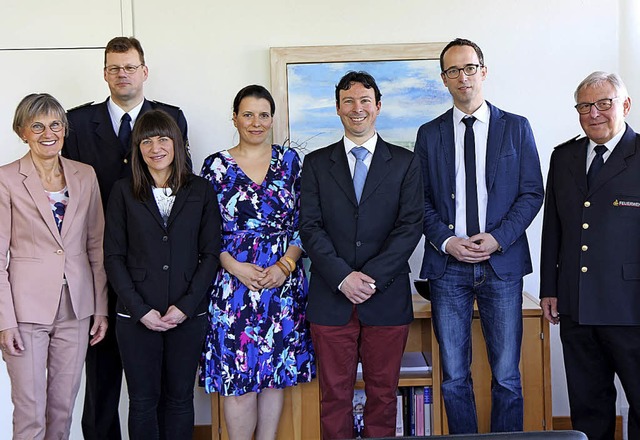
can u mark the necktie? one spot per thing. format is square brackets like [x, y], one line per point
[471, 188]
[360, 171]
[124, 133]
[596, 164]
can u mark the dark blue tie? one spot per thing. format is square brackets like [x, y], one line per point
[473, 224]
[596, 164]
[124, 133]
[360, 171]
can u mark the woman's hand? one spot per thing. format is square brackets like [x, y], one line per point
[174, 316]
[11, 342]
[273, 277]
[98, 329]
[153, 321]
[249, 274]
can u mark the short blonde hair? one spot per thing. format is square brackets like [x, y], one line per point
[34, 105]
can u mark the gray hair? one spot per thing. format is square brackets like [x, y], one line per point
[34, 105]
[598, 78]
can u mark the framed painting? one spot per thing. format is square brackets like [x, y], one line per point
[303, 83]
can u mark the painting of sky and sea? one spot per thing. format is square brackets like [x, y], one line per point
[412, 94]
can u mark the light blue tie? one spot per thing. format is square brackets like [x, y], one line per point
[360, 171]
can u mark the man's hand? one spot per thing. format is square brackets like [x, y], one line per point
[550, 309]
[486, 243]
[11, 342]
[153, 321]
[98, 329]
[358, 287]
[466, 251]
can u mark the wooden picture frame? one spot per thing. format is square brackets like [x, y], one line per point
[283, 58]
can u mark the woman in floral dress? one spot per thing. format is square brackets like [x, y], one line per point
[258, 342]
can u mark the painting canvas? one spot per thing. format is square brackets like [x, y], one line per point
[412, 94]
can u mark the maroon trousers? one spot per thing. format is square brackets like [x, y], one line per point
[337, 350]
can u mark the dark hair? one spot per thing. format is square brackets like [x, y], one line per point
[461, 42]
[361, 77]
[157, 123]
[37, 104]
[122, 45]
[254, 91]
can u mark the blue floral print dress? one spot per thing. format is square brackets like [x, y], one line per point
[257, 339]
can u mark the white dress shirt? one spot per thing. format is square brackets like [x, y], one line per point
[591, 149]
[481, 133]
[116, 114]
[370, 145]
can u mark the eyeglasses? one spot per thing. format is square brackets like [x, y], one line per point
[114, 70]
[39, 127]
[469, 70]
[601, 104]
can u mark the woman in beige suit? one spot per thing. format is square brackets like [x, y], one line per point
[51, 237]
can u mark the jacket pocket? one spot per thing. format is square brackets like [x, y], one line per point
[631, 271]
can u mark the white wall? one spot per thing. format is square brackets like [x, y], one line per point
[201, 52]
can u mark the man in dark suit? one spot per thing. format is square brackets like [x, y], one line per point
[99, 135]
[590, 263]
[482, 189]
[360, 220]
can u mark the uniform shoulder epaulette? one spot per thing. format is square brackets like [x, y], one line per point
[166, 105]
[87, 104]
[570, 141]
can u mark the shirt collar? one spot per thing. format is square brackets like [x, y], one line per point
[612, 142]
[370, 144]
[481, 114]
[116, 112]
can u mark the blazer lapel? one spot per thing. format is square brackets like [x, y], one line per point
[340, 171]
[494, 144]
[75, 193]
[449, 145]
[617, 161]
[577, 166]
[104, 126]
[35, 189]
[179, 202]
[152, 206]
[378, 169]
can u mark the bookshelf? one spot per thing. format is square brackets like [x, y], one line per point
[301, 413]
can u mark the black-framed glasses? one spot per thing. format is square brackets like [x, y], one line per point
[39, 127]
[129, 69]
[469, 70]
[601, 104]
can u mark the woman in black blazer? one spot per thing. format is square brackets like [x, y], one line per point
[162, 244]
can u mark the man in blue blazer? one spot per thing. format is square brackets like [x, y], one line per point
[482, 189]
[360, 220]
[590, 265]
[99, 136]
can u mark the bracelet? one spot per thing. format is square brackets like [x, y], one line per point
[283, 268]
[290, 261]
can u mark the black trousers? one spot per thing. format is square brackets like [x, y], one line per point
[592, 356]
[160, 368]
[103, 371]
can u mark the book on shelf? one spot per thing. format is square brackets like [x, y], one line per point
[399, 418]
[414, 411]
[359, 401]
[414, 362]
[428, 410]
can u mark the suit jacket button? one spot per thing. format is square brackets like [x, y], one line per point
[59, 252]
[358, 243]
[585, 226]
[587, 204]
[165, 238]
[165, 267]
[584, 269]
[453, 196]
[585, 247]
[451, 227]
[125, 160]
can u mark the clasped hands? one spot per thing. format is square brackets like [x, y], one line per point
[256, 277]
[358, 287]
[161, 323]
[473, 249]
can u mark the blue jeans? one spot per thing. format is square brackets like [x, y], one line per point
[500, 307]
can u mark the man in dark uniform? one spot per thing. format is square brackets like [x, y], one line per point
[590, 263]
[99, 135]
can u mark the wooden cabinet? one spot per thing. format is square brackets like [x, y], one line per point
[301, 413]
